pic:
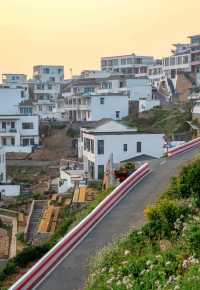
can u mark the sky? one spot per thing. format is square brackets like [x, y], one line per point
[76, 33]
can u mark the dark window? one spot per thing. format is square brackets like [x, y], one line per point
[4, 141]
[25, 142]
[100, 146]
[32, 142]
[139, 147]
[117, 114]
[102, 100]
[100, 171]
[92, 146]
[12, 125]
[27, 125]
[13, 141]
[4, 125]
[125, 147]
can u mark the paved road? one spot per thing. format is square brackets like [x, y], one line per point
[128, 214]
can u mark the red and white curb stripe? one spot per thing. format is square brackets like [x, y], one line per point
[47, 263]
[184, 147]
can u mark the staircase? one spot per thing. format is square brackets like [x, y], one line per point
[38, 208]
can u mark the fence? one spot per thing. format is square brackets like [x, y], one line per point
[45, 265]
[184, 147]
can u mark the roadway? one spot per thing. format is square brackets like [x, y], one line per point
[72, 272]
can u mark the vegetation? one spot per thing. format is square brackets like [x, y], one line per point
[73, 133]
[159, 120]
[164, 253]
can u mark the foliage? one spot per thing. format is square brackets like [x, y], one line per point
[164, 253]
[71, 132]
[57, 126]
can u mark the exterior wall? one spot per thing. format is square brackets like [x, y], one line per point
[10, 98]
[151, 144]
[2, 166]
[146, 105]
[14, 137]
[14, 78]
[139, 88]
[112, 103]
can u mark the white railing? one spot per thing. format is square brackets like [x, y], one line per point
[47, 263]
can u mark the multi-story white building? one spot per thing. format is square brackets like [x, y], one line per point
[19, 133]
[16, 81]
[127, 64]
[2, 165]
[93, 107]
[96, 144]
[47, 81]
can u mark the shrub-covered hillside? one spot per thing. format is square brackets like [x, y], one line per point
[164, 253]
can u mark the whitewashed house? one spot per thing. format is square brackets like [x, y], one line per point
[19, 133]
[16, 81]
[94, 107]
[97, 143]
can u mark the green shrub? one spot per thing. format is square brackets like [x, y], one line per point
[193, 237]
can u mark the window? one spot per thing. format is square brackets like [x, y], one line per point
[185, 59]
[139, 147]
[12, 125]
[100, 171]
[123, 61]
[49, 87]
[102, 100]
[52, 79]
[117, 114]
[27, 125]
[32, 142]
[25, 142]
[4, 141]
[13, 141]
[125, 147]
[92, 146]
[40, 108]
[4, 125]
[46, 70]
[129, 60]
[100, 146]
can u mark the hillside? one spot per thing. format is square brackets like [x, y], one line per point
[164, 253]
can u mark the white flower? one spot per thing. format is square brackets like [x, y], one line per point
[177, 287]
[167, 263]
[148, 262]
[127, 252]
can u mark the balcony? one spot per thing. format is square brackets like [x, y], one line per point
[8, 130]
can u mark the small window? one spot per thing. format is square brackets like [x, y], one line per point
[12, 125]
[139, 147]
[100, 146]
[13, 141]
[102, 100]
[27, 125]
[4, 141]
[117, 114]
[125, 147]
[100, 172]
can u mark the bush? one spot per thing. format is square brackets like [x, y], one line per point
[72, 133]
[193, 238]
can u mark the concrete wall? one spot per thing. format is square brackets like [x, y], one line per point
[112, 103]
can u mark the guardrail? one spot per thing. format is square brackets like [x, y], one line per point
[184, 147]
[49, 261]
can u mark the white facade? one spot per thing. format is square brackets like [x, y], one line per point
[10, 99]
[9, 190]
[2, 166]
[127, 64]
[19, 133]
[94, 107]
[97, 144]
[16, 81]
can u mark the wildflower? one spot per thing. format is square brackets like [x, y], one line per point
[142, 273]
[167, 263]
[177, 287]
[148, 262]
[111, 270]
[127, 252]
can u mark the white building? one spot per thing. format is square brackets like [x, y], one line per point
[10, 99]
[47, 81]
[127, 64]
[2, 165]
[93, 107]
[19, 133]
[96, 144]
[16, 81]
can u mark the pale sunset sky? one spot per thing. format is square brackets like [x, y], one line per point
[76, 33]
